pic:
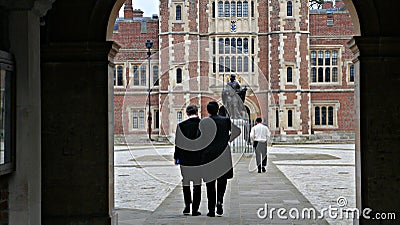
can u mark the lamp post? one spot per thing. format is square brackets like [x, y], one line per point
[149, 45]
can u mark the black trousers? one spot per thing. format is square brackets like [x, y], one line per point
[187, 195]
[215, 195]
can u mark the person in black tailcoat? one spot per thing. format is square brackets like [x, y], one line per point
[189, 159]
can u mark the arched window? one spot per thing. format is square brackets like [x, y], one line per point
[213, 10]
[328, 74]
[239, 64]
[233, 44]
[239, 9]
[246, 45]
[317, 116]
[143, 76]
[290, 118]
[136, 75]
[320, 58]
[213, 45]
[227, 45]
[351, 71]
[289, 6]
[221, 46]
[320, 75]
[323, 115]
[246, 64]
[334, 74]
[313, 74]
[245, 9]
[178, 12]
[221, 64]
[239, 45]
[227, 64]
[233, 8]
[252, 8]
[120, 76]
[289, 72]
[233, 63]
[327, 58]
[227, 8]
[220, 9]
[155, 75]
[178, 75]
[313, 58]
[330, 115]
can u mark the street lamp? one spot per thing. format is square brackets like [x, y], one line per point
[149, 45]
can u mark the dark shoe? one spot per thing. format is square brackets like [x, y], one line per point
[220, 210]
[196, 213]
[259, 169]
[263, 169]
[186, 211]
[211, 214]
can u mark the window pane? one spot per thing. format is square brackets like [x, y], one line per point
[239, 64]
[290, 118]
[327, 58]
[141, 119]
[214, 66]
[317, 116]
[227, 46]
[252, 45]
[277, 118]
[179, 76]
[233, 8]
[156, 119]
[334, 74]
[227, 7]
[246, 64]
[334, 58]
[221, 64]
[233, 63]
[227, 64]
[239, 9]
[352, 73]
[213, 10]
[328, 74]
[143, 76]
[239, 45]
[135, 120]
[233, 44]
[221, 46]
[320, 58]
[289, 9]
[155, 75]
[179, 116]
[320, 75]
[252, 64]
[120, 75]
[246, 45]
[323, 116]
[178, 12]
[245, 9]
[252, 8]
[136, 75]
[213, 45]
[313, 74]
[330, 115]
[220, 9]
[289, 74]
[313, 58]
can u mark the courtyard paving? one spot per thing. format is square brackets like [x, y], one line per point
[148, 190]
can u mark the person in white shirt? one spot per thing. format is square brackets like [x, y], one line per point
[259, 134]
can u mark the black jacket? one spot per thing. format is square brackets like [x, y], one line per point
[190, 129]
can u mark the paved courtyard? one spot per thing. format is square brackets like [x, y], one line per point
[148, 190]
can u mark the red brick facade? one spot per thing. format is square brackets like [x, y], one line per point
[283, 89]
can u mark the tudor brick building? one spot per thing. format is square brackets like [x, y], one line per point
[294, 61]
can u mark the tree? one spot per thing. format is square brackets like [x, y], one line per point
[316, 4]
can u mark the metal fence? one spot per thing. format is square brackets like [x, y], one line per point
[242, 144]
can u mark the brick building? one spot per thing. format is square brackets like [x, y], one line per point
[294, 61]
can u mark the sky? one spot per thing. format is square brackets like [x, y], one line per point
[149, 7]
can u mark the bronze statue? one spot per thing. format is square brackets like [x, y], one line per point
[233, 97]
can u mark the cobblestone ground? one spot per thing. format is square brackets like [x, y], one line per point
[146, 182]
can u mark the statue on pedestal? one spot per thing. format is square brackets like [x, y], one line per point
[233, 97]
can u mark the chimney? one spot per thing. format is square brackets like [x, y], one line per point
[339, 4]
[137, 13]
[327, 4]
[128, 10]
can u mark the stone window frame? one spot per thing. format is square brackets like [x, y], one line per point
[117, 65]
[335, 104]
[175, 4]
[285, 73]
[237, 9]
[324, 49]
[138, 124]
